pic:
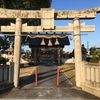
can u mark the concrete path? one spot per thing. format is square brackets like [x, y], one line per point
[47, 88]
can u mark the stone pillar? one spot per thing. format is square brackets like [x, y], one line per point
[61, 55]
[11, 72]
[55, 55]
[34, 56]
[77, 51]
[31, 55]
[37, 54]
[32, 49]
[58, 56]
[17, 50]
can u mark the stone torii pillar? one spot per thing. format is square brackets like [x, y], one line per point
[61, 55]
[17, 50]
[77, 51]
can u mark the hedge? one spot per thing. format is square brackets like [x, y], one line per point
[94, 59]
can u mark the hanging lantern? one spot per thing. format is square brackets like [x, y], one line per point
[42, 43]
[49, 43]
[56, 43]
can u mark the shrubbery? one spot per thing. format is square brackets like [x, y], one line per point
[94, 59]
[2, 60]
[95, 55]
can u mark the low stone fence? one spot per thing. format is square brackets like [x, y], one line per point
[91, 79]
[6, 76]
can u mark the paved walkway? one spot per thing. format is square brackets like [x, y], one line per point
[47, 88]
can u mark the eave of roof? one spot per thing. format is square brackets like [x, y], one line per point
[36, 42]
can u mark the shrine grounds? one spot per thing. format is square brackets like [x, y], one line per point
[47, 89]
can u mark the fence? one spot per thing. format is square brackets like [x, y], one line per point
[6, 73]
[91, 79]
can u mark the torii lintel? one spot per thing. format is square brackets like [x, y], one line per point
[58, 14]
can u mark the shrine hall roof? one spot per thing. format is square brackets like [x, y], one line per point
[36, 42]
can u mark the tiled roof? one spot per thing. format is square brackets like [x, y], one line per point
[37, 41]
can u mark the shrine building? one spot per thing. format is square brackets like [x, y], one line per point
[48, 48]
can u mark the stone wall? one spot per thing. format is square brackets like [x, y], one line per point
[6, 77]
[91, 79]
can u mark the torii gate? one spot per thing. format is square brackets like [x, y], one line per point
[47, 16]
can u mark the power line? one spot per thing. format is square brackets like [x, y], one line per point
[79, 34]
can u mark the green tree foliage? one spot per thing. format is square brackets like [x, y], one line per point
[71, 54]
[2, 60]
[25, 4]
[92, 51]
[95, 54]
[4, 44]
[22, 5]
[27, 53]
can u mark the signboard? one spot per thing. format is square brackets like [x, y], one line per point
[47, 18]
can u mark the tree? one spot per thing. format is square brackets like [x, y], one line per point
[25, 4]
[27, 53]
[4, 44]
[71, 54]
[22, 5]
[95, 53]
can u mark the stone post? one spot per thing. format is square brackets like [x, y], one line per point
[11, 72]
[17, 50]
[77, 51]
[58, 56]
[61, 55]
[35, 56]
[32, 49]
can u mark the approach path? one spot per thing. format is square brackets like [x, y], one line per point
[47, 88]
